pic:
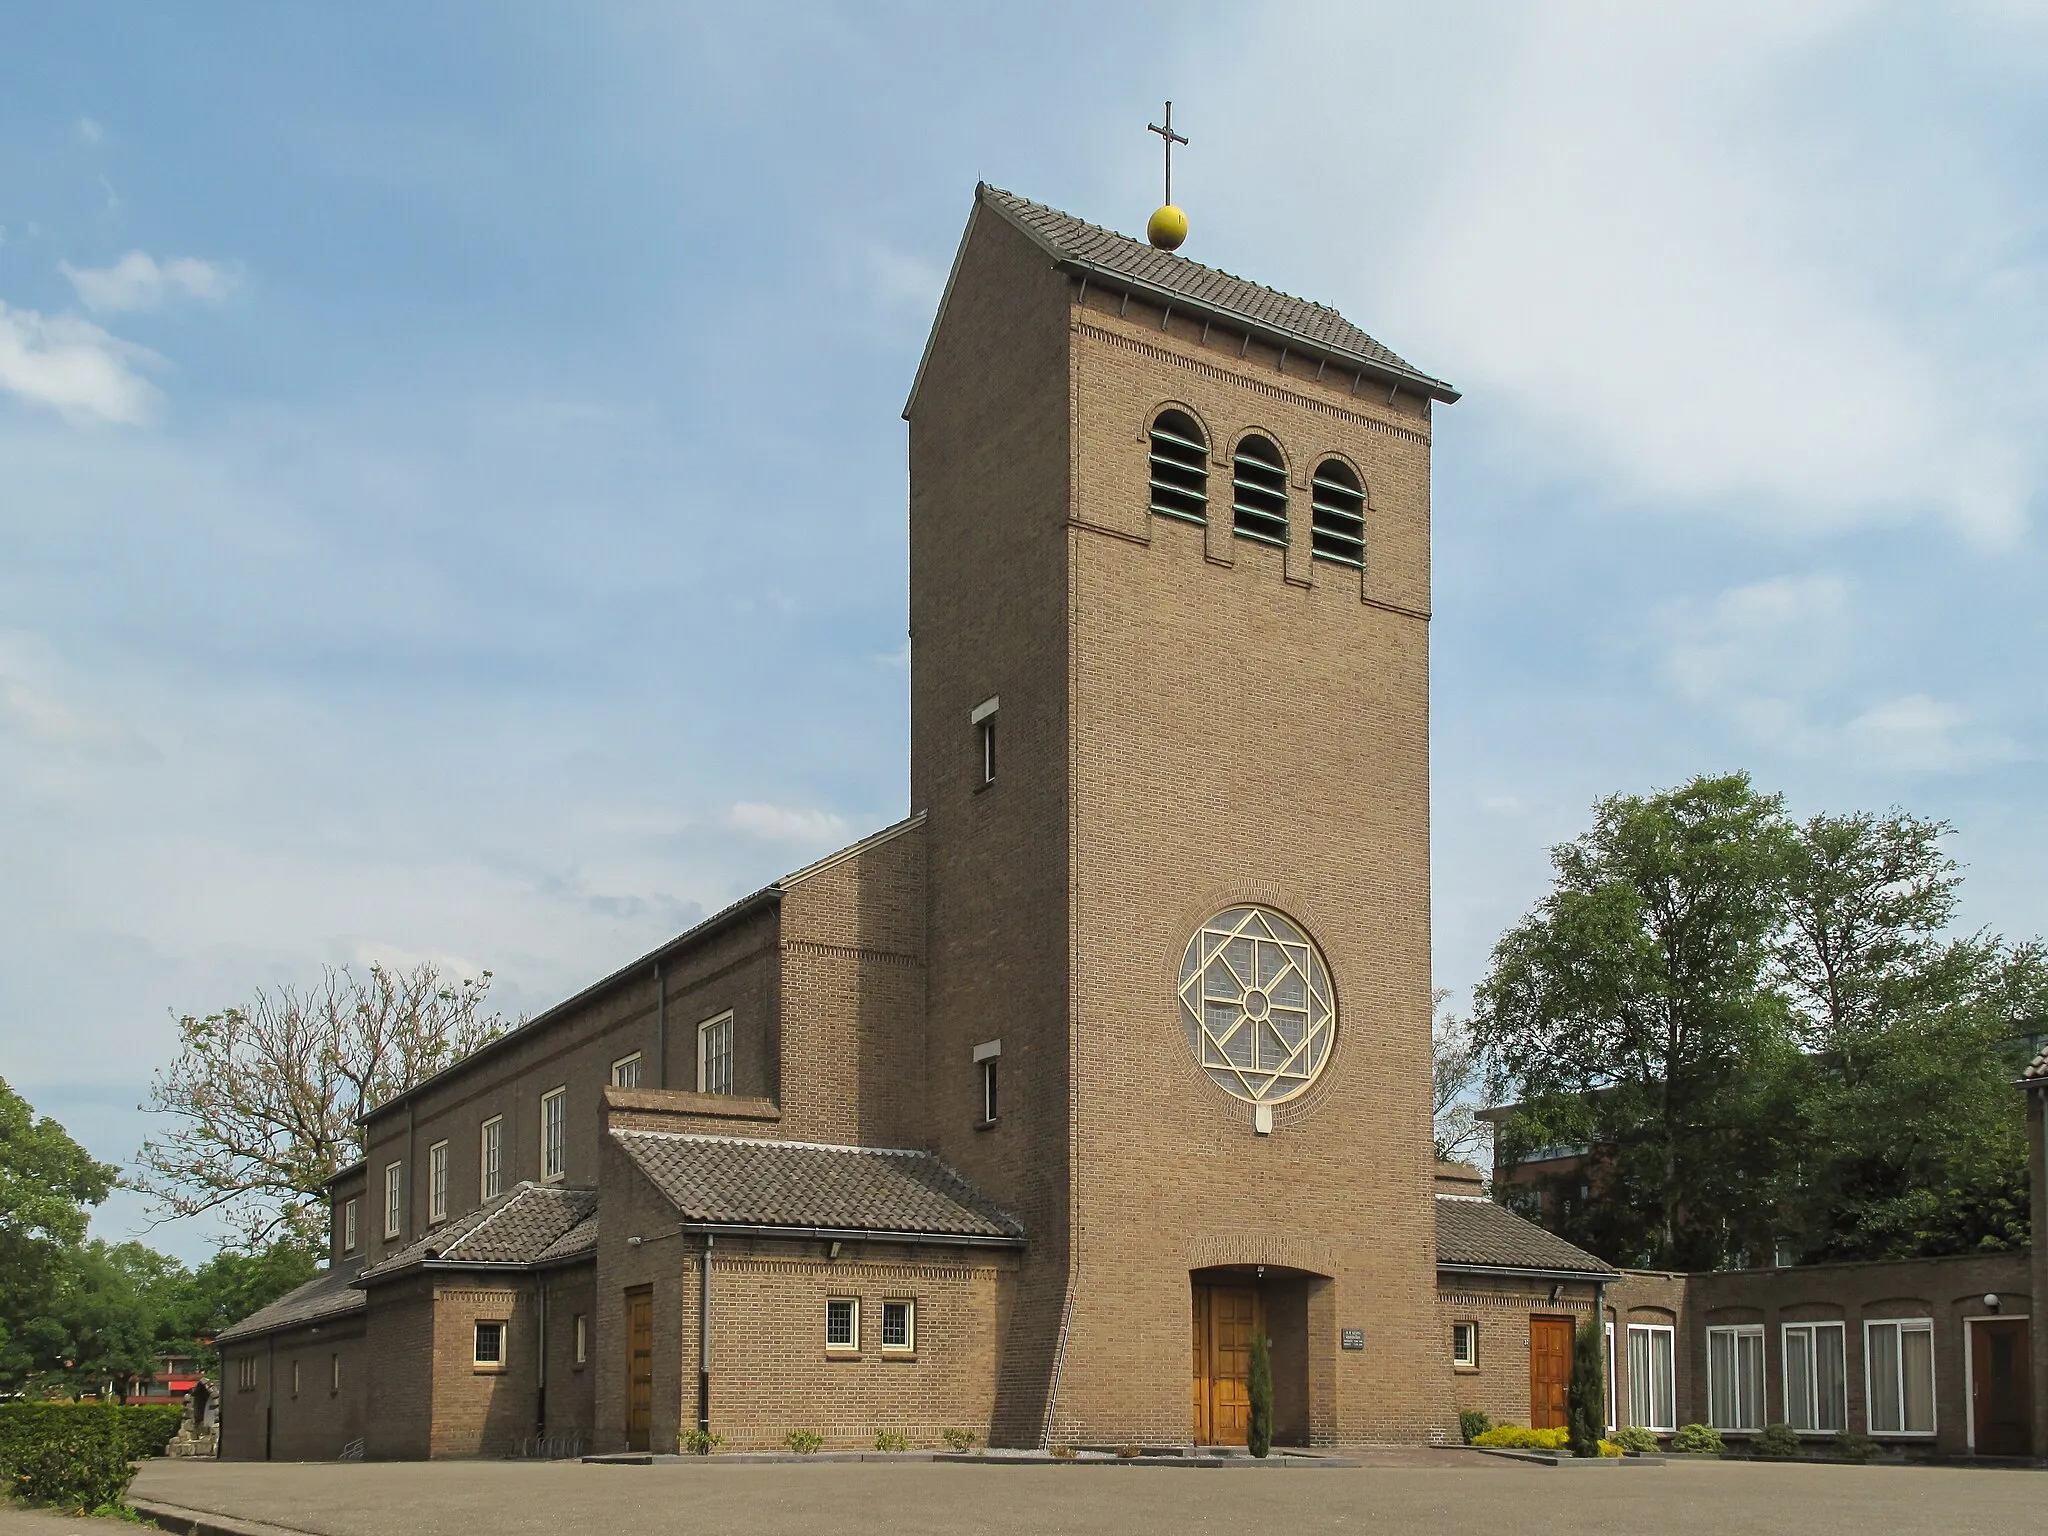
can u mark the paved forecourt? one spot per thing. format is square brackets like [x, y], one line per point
[1402, 1491]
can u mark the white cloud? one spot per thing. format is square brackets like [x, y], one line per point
[784, 825]
[139, 281]
[1918, 734]
[90, 132]
[74, 368]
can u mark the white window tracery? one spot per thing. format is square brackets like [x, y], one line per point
[1257, 1005]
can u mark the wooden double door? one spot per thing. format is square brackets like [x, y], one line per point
[2001, 1388]
[1550, 1371]
[1227, 1319]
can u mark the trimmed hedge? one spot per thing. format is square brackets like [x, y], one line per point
[1519, 1437]
[79, 1456]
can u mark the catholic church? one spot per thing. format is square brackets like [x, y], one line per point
[1025, 1115]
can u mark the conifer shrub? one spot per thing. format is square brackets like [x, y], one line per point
[1472, 1423]
[1259, 1388]
[1698, 1440]
[1585, 1395]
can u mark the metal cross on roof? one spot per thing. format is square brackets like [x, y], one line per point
[1169, 138]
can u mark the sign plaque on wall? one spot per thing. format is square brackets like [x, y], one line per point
[1353, 1338]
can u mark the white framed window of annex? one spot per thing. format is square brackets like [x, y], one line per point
[714, 1054]
[437, 1182]
[489, 1353]
[554, 1135]
[899, 1326]
[842, 1325]
[394, 1199]
[626, 1071]
[490, 1157]
[1465, 1346]
[1815, 1377]
[1257, 1005]
[1652, 1376]
[1735, 1377]
[1898, 1375]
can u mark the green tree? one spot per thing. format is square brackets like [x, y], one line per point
[1632, 1012]
[1586, 1394]
[117, 1306]
[1259, 1389]
[265, 1099]
[48, 1183]
[233, 1284]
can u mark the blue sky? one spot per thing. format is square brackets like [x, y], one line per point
[451, 483]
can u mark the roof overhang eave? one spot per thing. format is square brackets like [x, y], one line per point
[226, 1337]
[848, 1234]
[1409, 378]
[1523, 1272]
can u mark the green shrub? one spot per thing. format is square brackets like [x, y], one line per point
[958, 1439]
[1698, 1440]
[146, 1428]
[890, 1440]
[803, 1441]
[1856, 1447]
[1778, 1442]
[1633, 1437]
[1129, 1452]
[1472, 1424]
[1585, 1395]
[701, 1442]
[1258, 1438]
[1519, 1437]
[76, 1461]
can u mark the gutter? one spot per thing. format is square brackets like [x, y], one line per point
[1580, 1276]
[849, 1234]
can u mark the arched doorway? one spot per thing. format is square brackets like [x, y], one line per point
[1231, 1305]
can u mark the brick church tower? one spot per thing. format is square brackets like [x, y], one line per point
[1169, 600]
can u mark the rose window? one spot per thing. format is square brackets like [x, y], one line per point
[1255, 1001]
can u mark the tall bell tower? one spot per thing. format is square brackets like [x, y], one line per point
[1169, 540]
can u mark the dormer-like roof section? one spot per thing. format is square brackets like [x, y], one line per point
[1117, 261]
[527, 1225]
[1474, 1234]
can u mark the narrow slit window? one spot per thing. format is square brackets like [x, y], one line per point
[437, 1181]
[1180, 468]
[983, 718]
[988, 1092]
[393, 1195]
[554, 1135]
[1259, 492]
[348, 1227]
[490, 1148]
[1337, 515]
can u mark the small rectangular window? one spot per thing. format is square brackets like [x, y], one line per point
[1465, 1344]
[983, 719]
[582, 1340]
[1898, 1374]
[988, 1091]
[334, 1373]
[842, 1325]
[714, 1054]
[437, 1181]
[1652, 1394]
[554, 1134]
[490, 1148]
[626, 1071]
[490, 1344]
[245, 1373]
[899, 1326]
[1735, 1378]
[1816, 1378]
[295, 1378]
[394, 1195]
[348, 1226]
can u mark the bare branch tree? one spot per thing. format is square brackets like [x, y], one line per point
[267, 1097]
[1460, 1135]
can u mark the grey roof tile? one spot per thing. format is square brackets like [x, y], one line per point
[520, 1226]
[740, 1181]
[327, 1294]
[1485, 1235]
[2038, 1067]
[1115, 256]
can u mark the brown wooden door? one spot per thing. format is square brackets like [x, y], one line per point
[639, 1367]
[1550, 1370]
[1226, 1320]
[2001, 1397]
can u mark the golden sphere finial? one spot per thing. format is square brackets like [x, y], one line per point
[1167, 228]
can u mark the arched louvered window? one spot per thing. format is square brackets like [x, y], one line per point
[1258, 484]
[1180, 468]
[1338, 515]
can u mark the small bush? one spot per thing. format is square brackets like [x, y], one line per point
[1856, 1447]
[146, 1428]
[1778, 1442]
[890, 1440]
[77, 1461]
[1633, 1437]
[1472, 1424]
[1519, 1437]
[803, 1441]
[701, 1442]
[1129, 1452]
[958, 1439]
[1607, 1448]
[1698, 1440]
[1061, 1453]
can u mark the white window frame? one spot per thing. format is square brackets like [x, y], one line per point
[1465, 1345]
[394, 1191]
[983, 718]
[348, 1225]
[582, 1331]
[334, 1373]
[437, 1182]
[1901, 1326]
[1607, 1325]
[1738, 1335]
[619, 1066]
[1652, 1334]
[909, 1344]
[490, 1158]
[850, 1346]
[714, 1070]
[1810, 1409]
[554, 1135]
[504, 1343]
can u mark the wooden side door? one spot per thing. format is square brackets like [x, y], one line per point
[1201, 1365]
[2001, 1382]
[1550, 1370]
[639, 1366]
[1233, 1321]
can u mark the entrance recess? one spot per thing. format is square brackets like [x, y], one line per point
[1550, 1371]
[639, 1367]
[1227, 1318]
[2001, 1399]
